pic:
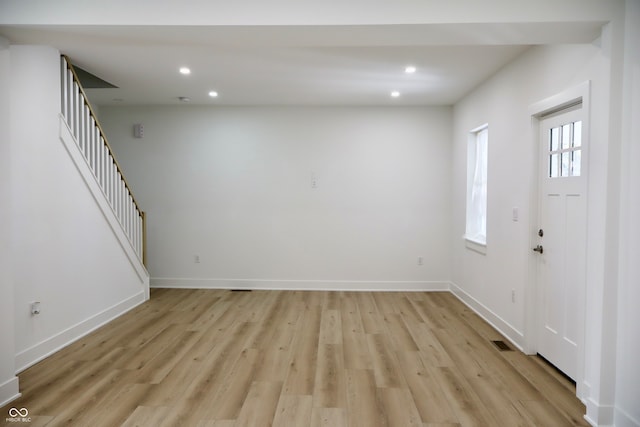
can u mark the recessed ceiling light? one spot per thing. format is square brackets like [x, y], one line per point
[185, 70]
[213, 94]
[410, 69]
[395, 94]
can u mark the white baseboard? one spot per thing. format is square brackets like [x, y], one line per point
[597, 414]
[583, 389]
[43, 349]
[608, 415]
[623, 419]
[9, 391]
[513, 335]
[300, 285]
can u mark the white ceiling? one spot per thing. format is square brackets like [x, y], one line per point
[294, 65]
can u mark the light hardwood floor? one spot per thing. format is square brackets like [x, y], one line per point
[221, 359]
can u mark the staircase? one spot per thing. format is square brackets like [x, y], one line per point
[92, 143]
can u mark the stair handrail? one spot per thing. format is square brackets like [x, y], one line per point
[96, 122]
[102, 133]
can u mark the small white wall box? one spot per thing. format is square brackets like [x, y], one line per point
[138, 130]
[35, 308]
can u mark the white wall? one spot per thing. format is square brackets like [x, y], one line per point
[64, 254]
[627, 393]
[503, 103]
[234, 186]
[8, 380]
[486, 281]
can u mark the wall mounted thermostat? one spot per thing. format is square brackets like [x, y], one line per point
[138, 130]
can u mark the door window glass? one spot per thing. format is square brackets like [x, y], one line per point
[565, 150]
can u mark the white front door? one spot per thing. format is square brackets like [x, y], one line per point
[561, 237]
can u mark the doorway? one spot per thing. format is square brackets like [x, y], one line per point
[561, 236]
[556, 308]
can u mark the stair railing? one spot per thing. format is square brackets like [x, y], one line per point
[95, 148]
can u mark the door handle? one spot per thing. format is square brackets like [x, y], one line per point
[539, 249]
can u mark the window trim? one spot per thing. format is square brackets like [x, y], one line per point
[475, 242]
[475, 245]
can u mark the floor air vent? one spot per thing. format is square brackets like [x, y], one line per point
[240, 290]
[502, 346]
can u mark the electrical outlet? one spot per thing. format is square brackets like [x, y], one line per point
[196, 259]
[513, 295]
[420, 260]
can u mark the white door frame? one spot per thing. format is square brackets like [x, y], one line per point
[537, 111]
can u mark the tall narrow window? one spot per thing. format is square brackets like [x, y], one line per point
[477, 160]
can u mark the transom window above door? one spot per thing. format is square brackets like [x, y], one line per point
[565, 150]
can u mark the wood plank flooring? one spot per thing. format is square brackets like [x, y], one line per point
[287, 358]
